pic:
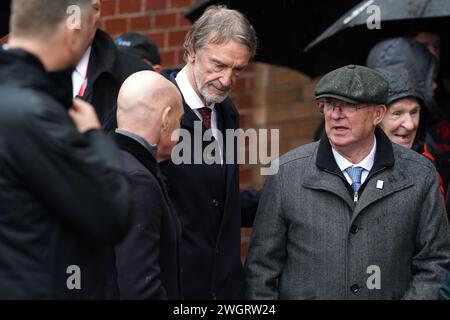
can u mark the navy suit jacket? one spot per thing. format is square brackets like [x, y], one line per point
[208, 202]
[148, 260]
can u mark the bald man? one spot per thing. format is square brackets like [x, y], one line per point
[147, 261]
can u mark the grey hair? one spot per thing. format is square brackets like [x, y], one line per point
[40, 18]
[218, 25]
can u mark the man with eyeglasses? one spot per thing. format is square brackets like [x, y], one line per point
[352, 216]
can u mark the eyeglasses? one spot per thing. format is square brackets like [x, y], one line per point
[344, 108]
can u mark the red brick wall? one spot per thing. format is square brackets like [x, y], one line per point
[161, 20]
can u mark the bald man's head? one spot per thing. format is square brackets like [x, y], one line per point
[150, 106]
[143, 96]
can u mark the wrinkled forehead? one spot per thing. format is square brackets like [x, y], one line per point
[231, 49]
[408, 102]
[213, 38]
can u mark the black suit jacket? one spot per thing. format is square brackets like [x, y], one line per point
[148, 260]
[208, 202]
[108, 69]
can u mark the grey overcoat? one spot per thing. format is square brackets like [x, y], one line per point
[312, 241]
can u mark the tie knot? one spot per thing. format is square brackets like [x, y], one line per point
[205, 112]
[355, 175]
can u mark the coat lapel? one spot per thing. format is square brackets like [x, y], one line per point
[228, 119]
[392, 181]
[136, 149]
[100, 63]
[189, 119]
[324, 174]
[333, 182]
[328, 181]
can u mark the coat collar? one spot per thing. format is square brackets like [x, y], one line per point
[103, 57]
[15, 63]
[327, 176]
[144, 156]
[189, 116]
[384, 155]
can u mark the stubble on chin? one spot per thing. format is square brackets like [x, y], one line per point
[212, 98]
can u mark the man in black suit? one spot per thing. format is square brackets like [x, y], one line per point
[102, 69]
[206, 194]
[148, 263]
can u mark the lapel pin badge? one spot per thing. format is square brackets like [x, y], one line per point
[380, 184]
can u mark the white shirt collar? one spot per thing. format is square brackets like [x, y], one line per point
[366, 163]
[190, 96]
[82, 66]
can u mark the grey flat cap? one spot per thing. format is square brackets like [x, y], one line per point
[353, 84]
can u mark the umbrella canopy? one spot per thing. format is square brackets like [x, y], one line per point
[349, 39]
[284, 27]
[4, 17]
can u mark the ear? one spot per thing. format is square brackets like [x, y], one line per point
[191, 55]
[157, 68]
[165, 118]
[320, 105]
[380, 111]
[71, 39]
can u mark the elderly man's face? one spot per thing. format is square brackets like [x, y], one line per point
[401, 121]
[215, 69]
[350, 127]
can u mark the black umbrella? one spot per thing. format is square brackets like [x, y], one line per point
[349, 39]
[284, 27]
[4, 17]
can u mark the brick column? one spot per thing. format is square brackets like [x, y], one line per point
[282, 99]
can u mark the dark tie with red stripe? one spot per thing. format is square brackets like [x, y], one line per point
[205, 112]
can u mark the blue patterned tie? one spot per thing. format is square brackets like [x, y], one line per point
[355, 175]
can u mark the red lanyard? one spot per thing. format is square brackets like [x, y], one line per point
[82, 88]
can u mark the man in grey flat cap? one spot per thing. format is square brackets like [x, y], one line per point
[351, 216]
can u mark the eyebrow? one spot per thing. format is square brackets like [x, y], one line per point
[240, 67]
[218, 62]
